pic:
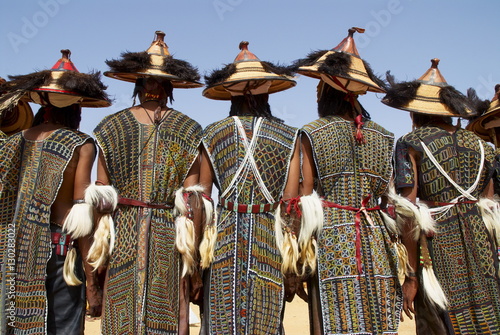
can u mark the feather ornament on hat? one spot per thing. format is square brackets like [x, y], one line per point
[247, 75]
[156, 61]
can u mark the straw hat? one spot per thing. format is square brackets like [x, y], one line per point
[484, 125]
[156, 61]
[16, 119]
[60, 86]
[247, 74]
[341, 67]
[430, 94]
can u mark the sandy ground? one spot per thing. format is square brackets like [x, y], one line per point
[296, 321]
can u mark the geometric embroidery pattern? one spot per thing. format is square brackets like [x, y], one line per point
[31, 173]
[464, 257]
[353, 302]
[143, 273]
[245, 285]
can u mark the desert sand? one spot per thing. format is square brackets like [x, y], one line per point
[296, 321]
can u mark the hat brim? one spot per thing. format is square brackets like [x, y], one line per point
[132, 78]
[356, 73]
[17, 119]
[426, 101]
[61, 98]
[478, 125]
[220, 92]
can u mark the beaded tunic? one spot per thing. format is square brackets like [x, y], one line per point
[463, 257]
[350, 301]
[244, 286]
[31, 173]
[146, 163]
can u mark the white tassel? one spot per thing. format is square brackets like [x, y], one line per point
[390, 223]
[100, 249]
[433, 290]
[105, 199]
[425, 221]
[69, 269]
[79, 221]
[403, 265]
[310, 228]
[207, 245]
[406, 212]
[490, 212]
[185, 233]
[278, 228]
[102, 197]
[184, 241]
[286, 243]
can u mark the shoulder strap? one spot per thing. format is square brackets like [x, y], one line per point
[249, 158]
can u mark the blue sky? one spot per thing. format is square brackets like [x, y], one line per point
[401, 36]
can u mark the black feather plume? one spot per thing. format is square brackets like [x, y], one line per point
[220, 75]
[479, 106]
[400, 95]
[281, 70]
[131, 62]
[336, 64]
[391, 80]
[27, 82]
[456, 101]
[310, 59]
[180, 68]
[374, 77]
[87, 85]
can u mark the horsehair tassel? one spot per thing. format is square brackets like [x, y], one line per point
[433, 290]
[207, 245]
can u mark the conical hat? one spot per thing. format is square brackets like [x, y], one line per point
[156, 61]
[483, 124]
[430, 94]
[341, 67]
[247, 74]
[61, 86]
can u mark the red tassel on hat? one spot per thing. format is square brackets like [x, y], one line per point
[359, 135]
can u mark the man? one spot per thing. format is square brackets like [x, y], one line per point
[147, 152]
[44, 171]
[347, 161]
[487, 126]
[244, 284]
[454, 288]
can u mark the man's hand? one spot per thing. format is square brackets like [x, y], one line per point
[294, 285]
[410, 288]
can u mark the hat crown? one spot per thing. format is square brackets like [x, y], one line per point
[347, 44]
[64, 63]
[245, 55]
[497, 93]
[158, 46]
[433, 76]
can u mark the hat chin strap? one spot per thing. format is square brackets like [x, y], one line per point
[351, 97]
[253, 87]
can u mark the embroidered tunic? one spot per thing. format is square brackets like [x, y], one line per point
[356, 290]
[244, 286]
[463, 256]
[31, 173]
[147, 164]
